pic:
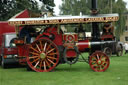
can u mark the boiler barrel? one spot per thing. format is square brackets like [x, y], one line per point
[86, 45]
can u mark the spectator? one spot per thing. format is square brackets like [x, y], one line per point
[126, 48]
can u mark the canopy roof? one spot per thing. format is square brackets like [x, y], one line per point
[64, 19]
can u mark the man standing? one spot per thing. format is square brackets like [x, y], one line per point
[126, 48]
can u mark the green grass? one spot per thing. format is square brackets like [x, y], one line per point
[78, 74]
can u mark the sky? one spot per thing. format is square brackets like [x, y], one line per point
[126, 2]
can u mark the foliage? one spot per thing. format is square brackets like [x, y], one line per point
[121, 9]
[47, 5]
[9, 8]
[74, 7]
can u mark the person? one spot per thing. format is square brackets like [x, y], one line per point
[81, 32]
[126, 48]
[108, 29]
[27, 32]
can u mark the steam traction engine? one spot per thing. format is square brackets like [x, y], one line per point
[53, 46]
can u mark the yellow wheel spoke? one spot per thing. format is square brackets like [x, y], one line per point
[33, 57]
[103, 58]
[35, 60]
[50, 61]
[48, 47]
[40, 64]
[100, 67]
[50, 50]
[34, 49]
[44, 66]
[51, 57]
[94, 58]
[93, 61]
[34, 53]
[97, 56]
[47, 63]
[36, 64]
[52, 53]
[45, 46]
[94, 64]
[38, 47]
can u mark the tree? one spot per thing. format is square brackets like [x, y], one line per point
[9, 8]
[47, 5]
[5, 7]
[74, 7]
[120, 8]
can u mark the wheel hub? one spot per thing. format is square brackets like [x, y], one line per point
[99, 62]
[42, 55]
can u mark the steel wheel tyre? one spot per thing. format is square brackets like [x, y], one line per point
[43, 55]
[108, 51]
[3, 65]
[99, 61]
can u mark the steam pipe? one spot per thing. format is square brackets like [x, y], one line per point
[94, 4]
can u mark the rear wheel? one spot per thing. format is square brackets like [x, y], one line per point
[108, 51]
[99, 61]
[43, 55]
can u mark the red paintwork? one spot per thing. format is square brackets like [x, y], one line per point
[58, 36]
[71, 53]
[22, 53]
[83, 44]
[70, 37]
[23, 50]
[23, 14]
[107, 37]
[10, 51]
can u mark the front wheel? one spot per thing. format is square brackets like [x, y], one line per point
[99, 61]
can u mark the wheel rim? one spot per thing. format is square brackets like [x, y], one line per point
[99, 61]
[108, 51]
[43, 55]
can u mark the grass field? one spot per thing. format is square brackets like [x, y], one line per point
[78, 74]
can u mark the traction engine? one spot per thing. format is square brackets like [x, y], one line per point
[53, 47]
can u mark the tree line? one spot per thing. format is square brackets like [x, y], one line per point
[74, 7]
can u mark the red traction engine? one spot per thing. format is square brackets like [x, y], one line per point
[52, 48]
